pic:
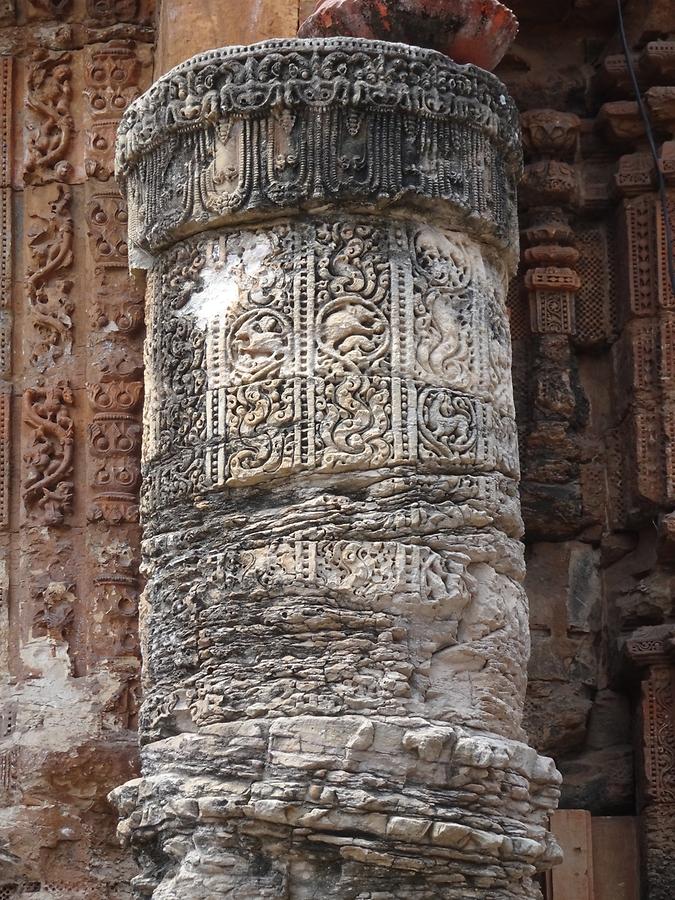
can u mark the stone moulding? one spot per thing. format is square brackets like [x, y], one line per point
[334, 624]
[292, 123]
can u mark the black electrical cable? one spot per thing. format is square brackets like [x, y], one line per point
[652, 146]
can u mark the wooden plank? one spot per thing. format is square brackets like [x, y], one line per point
[573, 879]
[616, 862]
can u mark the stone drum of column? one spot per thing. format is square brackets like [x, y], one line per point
[335, 629]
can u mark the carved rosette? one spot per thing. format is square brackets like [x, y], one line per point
[335, 629]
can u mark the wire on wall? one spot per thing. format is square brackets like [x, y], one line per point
[663, 193]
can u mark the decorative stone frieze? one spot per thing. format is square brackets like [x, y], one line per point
[335, 627]
[288, 124]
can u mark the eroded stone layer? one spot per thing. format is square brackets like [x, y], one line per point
[335, 626]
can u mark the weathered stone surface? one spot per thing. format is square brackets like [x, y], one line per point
[601, 781]
[335, 627]
[593, 371]
[302, 124]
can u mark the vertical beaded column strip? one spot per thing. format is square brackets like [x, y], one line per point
[335, 629]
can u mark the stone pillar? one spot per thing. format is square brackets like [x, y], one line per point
[334, 625]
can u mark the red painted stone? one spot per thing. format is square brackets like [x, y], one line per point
[468, 31]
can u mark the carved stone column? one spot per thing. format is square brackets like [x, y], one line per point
[334, 626]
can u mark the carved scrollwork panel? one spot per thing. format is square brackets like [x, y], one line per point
[47, 486]
[114, 438]
[49, 123]
[50, 257]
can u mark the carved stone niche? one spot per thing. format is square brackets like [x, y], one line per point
[335, 630]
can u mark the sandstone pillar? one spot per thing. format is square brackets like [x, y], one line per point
[335, 628]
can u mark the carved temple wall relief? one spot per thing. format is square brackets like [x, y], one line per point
[335, 630]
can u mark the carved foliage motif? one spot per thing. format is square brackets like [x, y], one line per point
[647, 337]
[48, 460]
[337, 350]
[50, 123]
[117, 310]
[659, 712]
[116, 593]
[50, 250]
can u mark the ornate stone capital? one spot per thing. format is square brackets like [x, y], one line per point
[291, 125]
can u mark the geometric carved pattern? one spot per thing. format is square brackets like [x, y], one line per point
[649, 461]
[637, 254]
[595, 307]
[114, 443]
[5, 406]
[112, 71]
[6, 64]
[665, 289]
[5, 279]
[519, 315]
[6, 67]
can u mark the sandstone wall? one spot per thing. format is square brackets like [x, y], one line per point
[71, 336]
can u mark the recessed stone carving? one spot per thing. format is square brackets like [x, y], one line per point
[48, 458]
